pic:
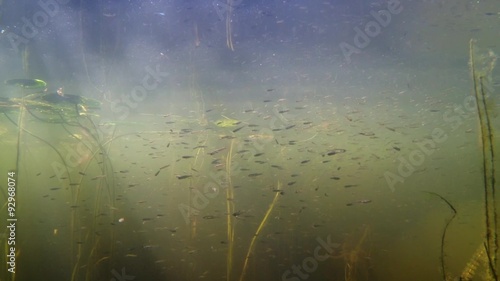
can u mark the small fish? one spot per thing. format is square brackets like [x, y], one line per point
[267, 100]
[335, 151]
[254, 175]
[237, 129]
[209, 217]
[258, 154]
[124, 171]
[283, 111]
[367, 134]
[216, 151]
[289, 127]
[187, 156]
[199, 146]
[396, 148]
[350, 185]
[304, 161]
[55, 188]
[364, 201]
[181, 177]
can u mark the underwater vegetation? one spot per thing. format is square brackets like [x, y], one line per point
[34, 115]
[484, 263]
[89, 195]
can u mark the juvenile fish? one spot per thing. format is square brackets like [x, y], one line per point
[335, 151]
[216, 151]
[237, 129]
[364, 201]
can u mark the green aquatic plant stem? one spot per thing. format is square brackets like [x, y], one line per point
[259, 229]
[229, 212]
[480, 91]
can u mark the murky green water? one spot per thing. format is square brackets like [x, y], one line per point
[278, 160]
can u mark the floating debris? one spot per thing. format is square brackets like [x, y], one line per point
[228, 122]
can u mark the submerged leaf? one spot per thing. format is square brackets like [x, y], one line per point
[27, 83]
